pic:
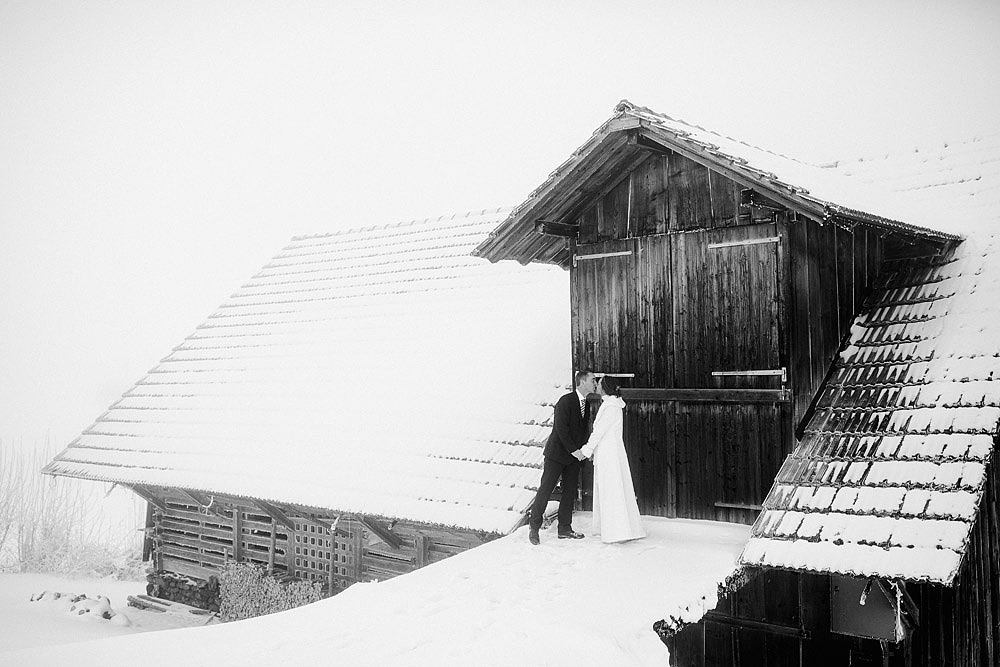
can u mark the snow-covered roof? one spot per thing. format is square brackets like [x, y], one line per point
[505, 603]
[895, 191]
[850, 191]
[889, 477]
[382, 371]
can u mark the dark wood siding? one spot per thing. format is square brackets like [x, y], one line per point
[960, 625]
[190, 541]
[665, 193]
[671, 310]
[832, 272]
[778, 618]
[784, 618]
[696, 275]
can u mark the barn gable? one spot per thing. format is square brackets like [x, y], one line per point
[538, 229]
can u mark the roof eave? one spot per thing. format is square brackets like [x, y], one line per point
[929, 579]
[521, 221]
[834, 211]
[51, 469]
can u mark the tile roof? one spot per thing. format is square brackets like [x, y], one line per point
[888, 478]
[381, 370]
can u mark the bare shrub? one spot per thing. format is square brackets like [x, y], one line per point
[54, 524]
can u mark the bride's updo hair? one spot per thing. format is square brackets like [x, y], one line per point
[610, 386]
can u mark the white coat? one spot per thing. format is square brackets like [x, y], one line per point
[616, 513]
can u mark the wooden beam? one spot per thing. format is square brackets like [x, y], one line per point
[150, 528]
[739, 506]
[708, 395]
[270, 549]
[237, 534]
[275, 513]
[593, 169]
[420, 546]
[148, 496]
[207, 504]
[774, 628]
[563, 229]
[572, 208]
[384, 532]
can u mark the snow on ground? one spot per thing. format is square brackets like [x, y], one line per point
[565, 602]
[49, 622]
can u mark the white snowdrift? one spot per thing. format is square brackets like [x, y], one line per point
[565, 602]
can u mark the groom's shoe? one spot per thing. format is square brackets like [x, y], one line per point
[570, 535]
[533, 536]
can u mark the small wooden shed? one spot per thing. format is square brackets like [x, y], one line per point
[781, 330]
[370, 401]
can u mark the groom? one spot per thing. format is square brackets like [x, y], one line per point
[563, 456]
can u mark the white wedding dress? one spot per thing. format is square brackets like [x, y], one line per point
[616, 514]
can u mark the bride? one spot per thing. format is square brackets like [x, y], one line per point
[616, 514]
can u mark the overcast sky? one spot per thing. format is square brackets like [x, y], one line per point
[153, 155]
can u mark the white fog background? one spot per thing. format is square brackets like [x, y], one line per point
[154, 155]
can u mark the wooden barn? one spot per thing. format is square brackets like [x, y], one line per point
[369, 402]
[814, 350]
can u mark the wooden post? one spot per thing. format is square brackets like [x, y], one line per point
[358, 544]
[332, 561]
[420, 544]
[147, 541]
[270, 551]
[238, 533]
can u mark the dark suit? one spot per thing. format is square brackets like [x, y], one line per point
[570, 430]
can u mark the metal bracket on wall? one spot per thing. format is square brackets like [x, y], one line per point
[732, 244]
[777, 372]
[600, 255]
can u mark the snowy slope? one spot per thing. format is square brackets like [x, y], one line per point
[505, 603]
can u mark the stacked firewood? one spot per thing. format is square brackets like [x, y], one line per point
[193, 592]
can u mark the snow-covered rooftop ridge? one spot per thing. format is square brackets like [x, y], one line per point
[697, 132]
[459, 218]
[383, 371]
[872, 189]
[889, 477]
[502, 604]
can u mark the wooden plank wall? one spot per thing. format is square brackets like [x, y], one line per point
[832, 272]
[195, 542]
[778, 618]
[671, 313]
[667, 192]
[725, 304]
[960, 626]
[676, 309]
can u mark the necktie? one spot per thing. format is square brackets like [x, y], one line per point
[583, 408]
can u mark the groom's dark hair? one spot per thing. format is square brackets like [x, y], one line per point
[578, 378]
